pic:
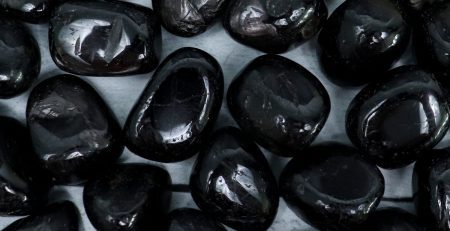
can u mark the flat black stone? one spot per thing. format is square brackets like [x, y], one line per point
[279, 103]
[232, 181]
[178, 108]
[74, 133]
[331, 187]
[104, 38]
[392, 219]
[187, 219]
[32, 11]
[274, 26]
[394, 120]
[361, 39]
[128, 197]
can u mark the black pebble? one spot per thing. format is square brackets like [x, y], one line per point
[392, 219]
[187, 219]
[32, 11]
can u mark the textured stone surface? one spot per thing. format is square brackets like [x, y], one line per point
[187, 219]
[34, 11]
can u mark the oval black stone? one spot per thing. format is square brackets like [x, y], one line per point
[74, 133]
[33, 11]
[279, 103]
[392, 219]
[274, 26]
[178, 108]
[128, 197]
[232, 181]
[331, 187]
[393, 120]
[361, 39]
[187, 219]
[104, 38]
[20, 62]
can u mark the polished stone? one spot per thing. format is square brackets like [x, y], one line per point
[392, 219]
[232, 181]
[187, 219]
[33, 11]
[178, 108]
[394, 120]
[279, 103]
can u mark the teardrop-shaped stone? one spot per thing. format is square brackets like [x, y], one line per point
[392, 219]
[178, 108]
[128, 197]
[331, 187]
[33, 11]
[361, 39]
[104, 38]
[187, 219]
[74, 133]
[274, 26]
[232, 181]
[278, 103]
[394, 120]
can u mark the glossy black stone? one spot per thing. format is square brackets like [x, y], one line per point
[331, 187]
[20, 59]
[187, 219]
[274, 26]
[394, 120]
[232, 181]
[185, 17]
[178, 108]
[279, 103]
[74, 133]
[104, 38]
[33, 11]
[361, 39]
[128, 197]
[392, 219]
[413, 8]
[55, 217]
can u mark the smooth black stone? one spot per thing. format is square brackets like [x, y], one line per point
[361, 39]
[61, 216]
[232, 181]
[178, 108]
[128, 197]
[331, 187]
[279, 103]
[73, 131]
[33, 11]
[187, 219]
[392, 219]
[186, 17]
[274, 26]
[394, 120]
[104, 38]
[20, 60]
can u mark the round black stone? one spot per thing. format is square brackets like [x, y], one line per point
[392, 219]
[32, 11]
[187, 219]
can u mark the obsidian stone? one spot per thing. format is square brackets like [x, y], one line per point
[232, 181]
[279, 103]
[74, 133]
[274, 26]
[394, 120]
[55, 217]
[33, 11]
[178, 108]
[392, 219]
[185, 17]
[413, 8]
[187, 219]
[104, 38]
[128, 197]
[361, 39]
[331, 187]
[20, 61]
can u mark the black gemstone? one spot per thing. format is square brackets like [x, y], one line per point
[274, 26]
[178, 108]
[361, 39]
[395, 119]
[331, 187]
[74, 133]
[392, 219]
[104, 38]
[128, 197]
[33, 11]
[232, 181]
[187, 219]
[279, 103]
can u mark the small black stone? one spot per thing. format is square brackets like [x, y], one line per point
[178, 108]
[331, 187]
[392, 219]
[279, 103]
[232, 181]
[394, 120]
[187, 219]
[32, 11]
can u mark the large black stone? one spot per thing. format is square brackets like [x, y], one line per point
[128, 197]
[187, 219]
[106, 38]
[33, 11]
[279, 103]
[331, 187]
[392, 219]
[395, 119]
[178, 108]
[232, 181]
[74, 133]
